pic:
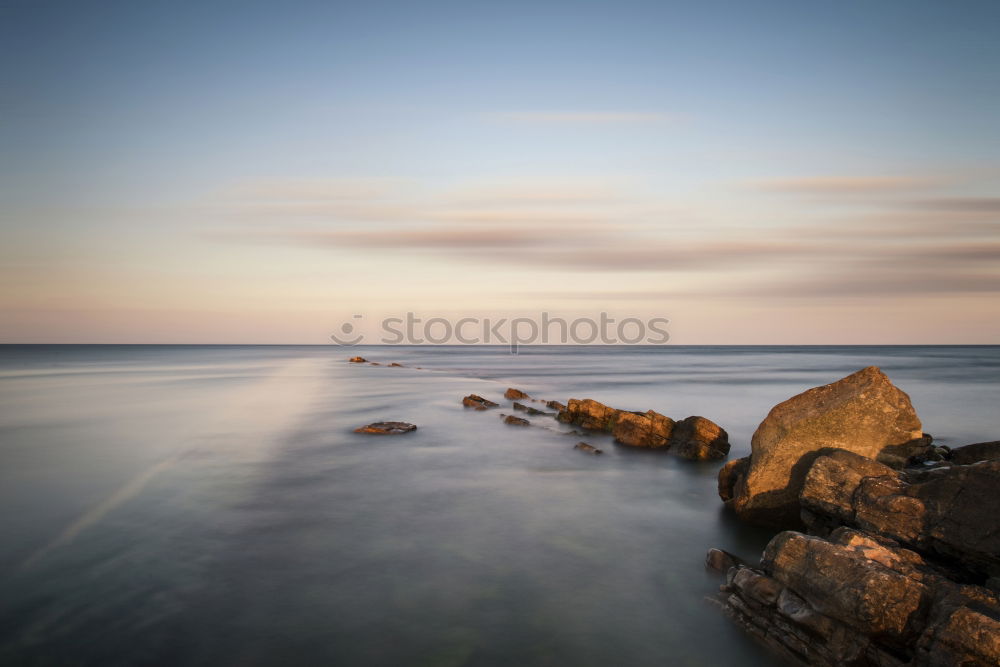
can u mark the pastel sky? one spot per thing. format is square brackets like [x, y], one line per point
[258, 172]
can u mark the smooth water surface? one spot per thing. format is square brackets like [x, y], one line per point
[210, 505]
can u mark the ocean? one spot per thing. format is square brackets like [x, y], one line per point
[210, 505]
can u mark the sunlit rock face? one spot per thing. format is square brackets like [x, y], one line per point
[862, 413]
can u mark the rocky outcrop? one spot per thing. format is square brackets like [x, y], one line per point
[860, 600]
[357, 360]
[530, 410]
[719, 560]
[386, 428]
[862, 413]
[692, 438]
[511, 420]
[555, 405]
[515, 394]
[981, 451]
[588, 449]
[478, 402]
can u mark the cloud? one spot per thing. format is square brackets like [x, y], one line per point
[846, 185]
[581, 117]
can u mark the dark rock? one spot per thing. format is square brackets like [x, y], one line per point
[530, 410]
[357, 360]
[699, 439]
[863, 413]
[720, 561]
[395, 365]
[981, 451]
[590, 449]
[515, 394]
[515, 421]
[555, 405]
[477, 402]
[386, 428]
[730, 475]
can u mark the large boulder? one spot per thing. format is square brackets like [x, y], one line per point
[699, 439]
[862, 413]
[642, 429]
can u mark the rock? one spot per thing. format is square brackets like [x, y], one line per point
[981, 451]
[395, 365]
[589, 414]
[530, 410]
[511, 420]
[642, 429]
[555, 405]
[862, 413]
[357, 360]
[699, 439]
[386, 428]
[720, 561]
[589, 449]
[948, 513]
[515, 394]
[477, 402]
[730, 475]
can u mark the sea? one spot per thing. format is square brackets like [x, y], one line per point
[211, 505]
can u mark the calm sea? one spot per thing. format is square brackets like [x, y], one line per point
[209, 505]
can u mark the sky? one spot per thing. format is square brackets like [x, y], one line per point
[261, 172]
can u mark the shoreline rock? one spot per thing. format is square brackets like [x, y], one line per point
[386, 428]
[478, 402]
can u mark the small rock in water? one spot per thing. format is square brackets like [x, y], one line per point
[589, 449]
[720, 561]
[515, 421]
[387, 428]
[555, 405]
[515, 394]
[478, 402]
[357, 360]
[395, 365]
[530, 410]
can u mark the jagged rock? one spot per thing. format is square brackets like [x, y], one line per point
[589, 449]
[720, 561]
[515, 394]
[357, 360]
[555, 405]
[730, 475]
[863, 413]
[981, 451]
[699, 439]
[515, 421]
[386, 428]
[478, 402]
[642, 429]
[589, 414]
[530, 410]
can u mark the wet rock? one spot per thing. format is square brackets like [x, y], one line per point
[357, 360]
[395, 365]
[720, 561]
[699, 439]
[511, 420]
[515, 394]
[530, 410]
[386, 428]
[555, 405]
[478, 402]
[589, 449]
[589, 414]
[981, 451]
[730, 475]
[862, 413]
[642, 429]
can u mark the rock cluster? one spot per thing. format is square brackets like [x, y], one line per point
[901, 566]
[692, 438]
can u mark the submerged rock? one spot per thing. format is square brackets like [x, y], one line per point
[527, 408]
[386, 428]
[511, 420]
[357, 360]
[862, 413]
[478, 402]
[515, 394]
[395, 365]
[589, 449]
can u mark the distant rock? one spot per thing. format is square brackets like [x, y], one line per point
[515, 394]
[862, 413]
[357, 360]
[555, 405]
[511, 420]
[699, 439]
[530, 410]
[478, 402]
[395, 365]
[386, 428]
[691, 438]
[589, 449]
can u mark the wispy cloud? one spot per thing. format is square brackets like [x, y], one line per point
[581, 117]
[847, 185]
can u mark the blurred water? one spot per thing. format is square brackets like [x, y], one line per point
[211, 506]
